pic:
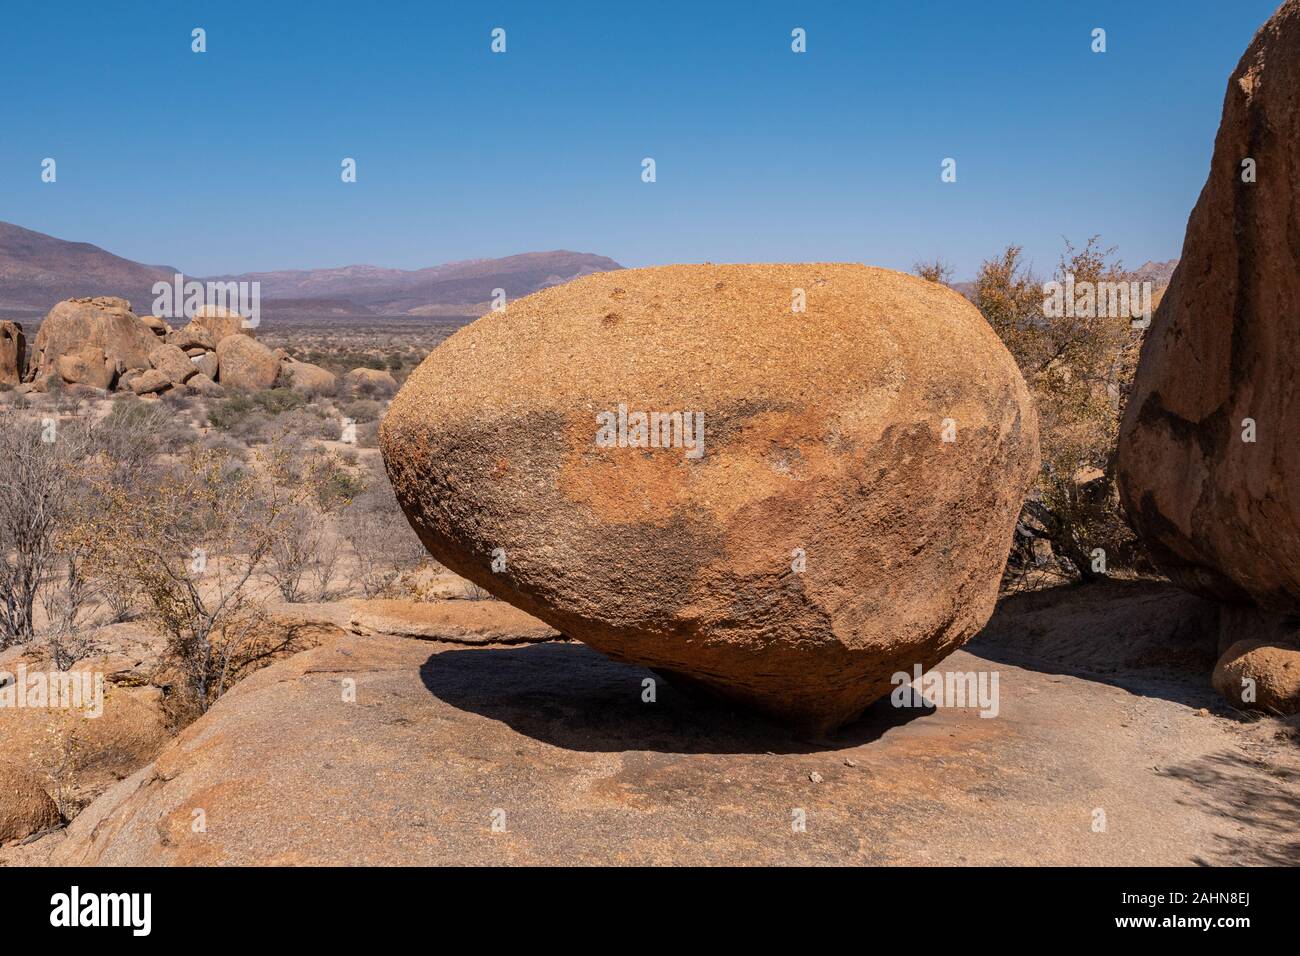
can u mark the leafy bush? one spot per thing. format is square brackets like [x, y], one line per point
[275, 401]
[362, 410]
[1079, 370]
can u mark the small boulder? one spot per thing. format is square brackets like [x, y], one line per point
[192, 336]
[309, 379]
[201, 384]
[371, 380]
[173, 363]
[243, 362]
[127, 379]
[25, 807]
[158, 326]
[1260, 675]
[206, 364]
[150, 381]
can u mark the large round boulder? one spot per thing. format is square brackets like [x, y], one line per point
[1209, 463]
[685, 469]
[106, 322]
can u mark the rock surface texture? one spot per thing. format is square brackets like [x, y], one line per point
[836, 505]
[554, 742]
[1219, 512]
[243, 362]
[25, 807]
[74, 325]
[1260, 675]
[13, 353]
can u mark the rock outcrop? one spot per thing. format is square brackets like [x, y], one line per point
[824, 498]
[455, 621]
[1209, 463]
[75, 325]
[99, 342]
[387, 751]
[13, 353]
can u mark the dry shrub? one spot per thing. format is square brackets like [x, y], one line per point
[1079, 370]
[380, 536]
[190, 555]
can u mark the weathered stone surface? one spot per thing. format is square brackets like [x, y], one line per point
[457, 622]
[1260, 675]
[559, 738]
[828, 535]
[221, 323]
[372, 380]
[150, 381]
[309, 379]
[103, 321]
[1219, 514]
[25, 807]
[86, 366]
[157, 325]
[200, 384]
[173, 363]
[206, 364]
[13, 353]
[243, 362]
[191, 336]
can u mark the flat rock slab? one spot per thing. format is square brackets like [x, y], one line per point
[453, 621]
[556, 745]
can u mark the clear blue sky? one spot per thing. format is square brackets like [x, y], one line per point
[229, 160]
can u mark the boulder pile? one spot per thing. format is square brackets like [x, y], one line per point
[781, 484]
[1209, 462]
[100, 343]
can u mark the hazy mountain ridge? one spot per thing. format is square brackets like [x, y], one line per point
[37, 270]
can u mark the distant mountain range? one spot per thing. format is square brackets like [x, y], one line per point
[37, 270]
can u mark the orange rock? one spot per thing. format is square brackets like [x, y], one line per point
[243, 362]
[1260, 675]
[800, 531]
[13, 353]
[1209, 462]
[25, 807]
[106, 322]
